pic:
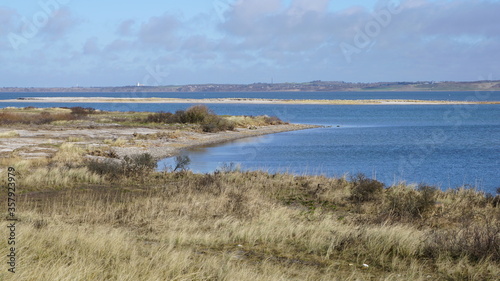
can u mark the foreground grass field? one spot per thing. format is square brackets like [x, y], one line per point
[81, 221]
[106, 218]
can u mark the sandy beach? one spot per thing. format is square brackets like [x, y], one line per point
[236, 101]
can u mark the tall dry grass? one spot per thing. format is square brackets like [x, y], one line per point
[65, 169]
[248, 226]
[245, 121]
[9, 134]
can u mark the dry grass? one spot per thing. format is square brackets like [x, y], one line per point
[9, 134]
[165, 135]
[241, 226]
[84, 220]
[247, 121]
[60, 177]
[120, 142]
[75, 139]
[63, 170]
[7, 118]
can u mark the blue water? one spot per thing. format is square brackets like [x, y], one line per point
[428, 95]
[443, 145]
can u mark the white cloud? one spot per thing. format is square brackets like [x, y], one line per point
[126, 28]
[298, 41]
[160, 31]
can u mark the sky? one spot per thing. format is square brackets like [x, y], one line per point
[67, 43]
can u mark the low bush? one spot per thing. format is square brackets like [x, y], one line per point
[129, 166]
[161, 117]
[215, 124]
[404, 203]
[365, 189]
[273, 120]
[7, 118]
[141, 163]
[108, 167]
[195, 115]
[198, 114]
[82, 111]
[181, 163]
[476, 241]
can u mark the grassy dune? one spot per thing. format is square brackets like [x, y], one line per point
[82, 223]
[83, 219]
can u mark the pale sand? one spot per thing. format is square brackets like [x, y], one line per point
[43, 142]
[236, 101]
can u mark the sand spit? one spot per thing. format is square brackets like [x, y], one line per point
[236, 101]
[159, 143]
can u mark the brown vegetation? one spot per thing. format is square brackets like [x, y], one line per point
[121, 220]
[209, 122]
[86, 214]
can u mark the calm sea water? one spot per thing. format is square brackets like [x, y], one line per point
[443, 145]
[484, 96]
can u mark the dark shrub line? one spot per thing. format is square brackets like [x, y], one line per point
[198, 114]
[38, 119]
[44, 117]
[203, 116]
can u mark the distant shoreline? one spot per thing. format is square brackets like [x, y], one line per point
[313, 86]
[238, 101]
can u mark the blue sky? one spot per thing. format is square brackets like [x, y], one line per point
[49, 43]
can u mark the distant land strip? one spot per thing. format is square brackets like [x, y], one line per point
[313, 86]
[235, 101]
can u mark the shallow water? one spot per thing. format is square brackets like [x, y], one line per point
[457, 96]
[392, 143]
[443, 145]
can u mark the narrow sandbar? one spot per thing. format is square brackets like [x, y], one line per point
[238, 101]
[36, 142]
